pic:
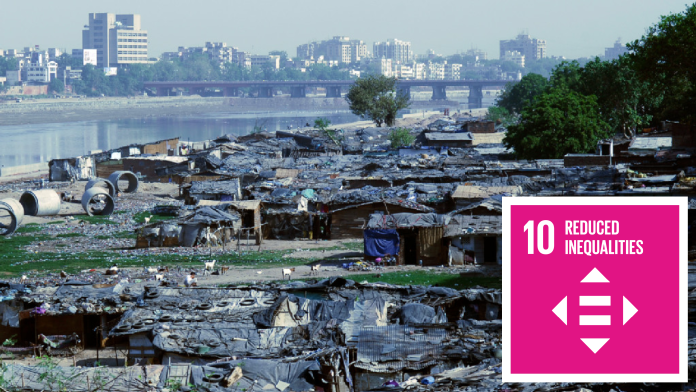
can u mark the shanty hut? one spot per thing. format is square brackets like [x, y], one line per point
[250, 211]
[78, 169]
[419, 237]
[448, 139]
[206, 226]
[474, 239]
[227, 190]
[74, 308]
[349, 221]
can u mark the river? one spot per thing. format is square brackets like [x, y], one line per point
[27, 144]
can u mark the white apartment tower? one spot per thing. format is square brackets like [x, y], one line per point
[531, 48]
[118, 39]
[393, 49]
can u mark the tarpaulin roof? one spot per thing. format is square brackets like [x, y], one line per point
[208, 215]
[406, 220]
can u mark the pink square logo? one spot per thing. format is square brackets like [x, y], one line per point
[595, 289]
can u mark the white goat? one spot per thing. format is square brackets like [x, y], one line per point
[147, 219]
[288, 272]
[159, 278]
[315, 269]
[151, 270]
[209, 265]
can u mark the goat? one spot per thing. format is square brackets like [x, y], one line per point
[159, 277]
[24, 279]
[315, 269]
[287, 272]
[209, 265]
[151, 270]
[147, 219]
[63, 274]
[163, 269]
[223, 270]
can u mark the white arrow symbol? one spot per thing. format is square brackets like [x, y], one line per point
[628, 310]
[594, 344]
[594, 277]
[561, 310]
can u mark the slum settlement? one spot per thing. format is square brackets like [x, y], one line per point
[433, 206]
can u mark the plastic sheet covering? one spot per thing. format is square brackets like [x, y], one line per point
[380, 242]
[10, 313]
[406, 220]
[366, 313]
[290, 310]
[420, 314]
[301, 375]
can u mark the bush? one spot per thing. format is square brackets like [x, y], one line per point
[401, 137]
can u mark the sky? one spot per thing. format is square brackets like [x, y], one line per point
[571, 28]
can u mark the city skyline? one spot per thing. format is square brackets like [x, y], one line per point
[571, 30]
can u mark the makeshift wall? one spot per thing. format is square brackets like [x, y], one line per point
[349, 222]
[161, 147]
[60, 325]
[146, 167]
[106, 168]
[429, 247]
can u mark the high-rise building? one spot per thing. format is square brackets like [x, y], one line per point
[615, 52]
[393, 49]
[118, 39]
[514, 56]
[531, 48]
[338, 49]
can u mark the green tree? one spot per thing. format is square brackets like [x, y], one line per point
[376, 98]
[516, 96]
[560, 121]
[500, 116]
[401, 137]
[8, 64]
[664, 57]
[624, 100]
[56, 86]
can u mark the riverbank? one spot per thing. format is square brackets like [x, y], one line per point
[62, 110]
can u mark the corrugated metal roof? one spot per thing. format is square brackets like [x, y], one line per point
[462, 225]
[445, 136]
[400, 345]
[480, 192]
[650, 143]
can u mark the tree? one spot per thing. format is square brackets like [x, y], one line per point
[516, 96]
[401, 137]
[625, 102]
[56, 86]
[560, 121]
[664, 57]
[500, 116]
[376, 98]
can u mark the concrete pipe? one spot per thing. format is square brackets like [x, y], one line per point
[43, 202]
[97, 201]
[11, 216]
[117, 176]
[101, 183]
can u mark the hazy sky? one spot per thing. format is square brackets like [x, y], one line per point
[571, 28]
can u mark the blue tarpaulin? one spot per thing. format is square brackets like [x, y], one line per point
[380, 242]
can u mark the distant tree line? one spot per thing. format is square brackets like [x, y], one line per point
[580, 104]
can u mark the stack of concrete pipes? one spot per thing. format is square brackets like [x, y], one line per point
[98, 199]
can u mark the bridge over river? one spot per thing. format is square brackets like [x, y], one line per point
[334, 88]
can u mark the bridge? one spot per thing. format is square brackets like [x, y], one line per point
[334, 88]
